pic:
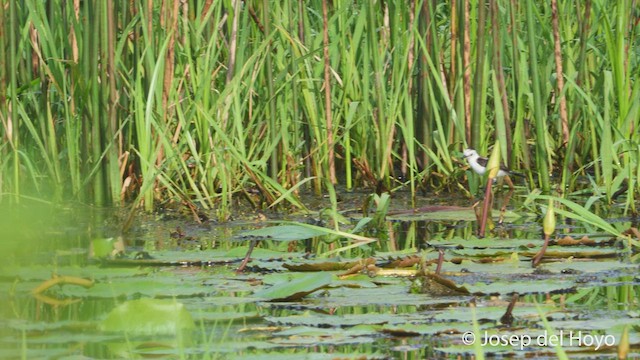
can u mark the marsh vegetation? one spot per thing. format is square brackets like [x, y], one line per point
[147, 145]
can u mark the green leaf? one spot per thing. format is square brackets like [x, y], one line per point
[294, 287]
[580, 213]
[282, 233]
[148, 317]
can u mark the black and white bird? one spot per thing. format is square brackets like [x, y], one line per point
[479, 164]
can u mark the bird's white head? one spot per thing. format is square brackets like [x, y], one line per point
[469, 153]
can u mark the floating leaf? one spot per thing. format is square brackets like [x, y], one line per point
[148, 317]
[436, 285]
[294, 287]
[486, 269]
[321, 266]
[492, 312]
[426, 329]
[573, 253]
[327, 321]
[387, 295]
[590, 267]
[260, 253]
[282, 233]
[569, 241]
[167, 321]
[521, 287]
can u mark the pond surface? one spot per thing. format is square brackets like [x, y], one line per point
[169, 288]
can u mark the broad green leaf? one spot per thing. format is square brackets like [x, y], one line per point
[295, 286]
[282, 233]
[148, 317]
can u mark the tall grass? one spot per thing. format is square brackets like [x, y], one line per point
[209, 102]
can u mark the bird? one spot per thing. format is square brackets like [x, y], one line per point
[479, 164]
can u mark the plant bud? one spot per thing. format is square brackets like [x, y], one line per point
[494, 162]
[549, 222]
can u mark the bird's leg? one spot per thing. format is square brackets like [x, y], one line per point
[503, 209]
[507, 179]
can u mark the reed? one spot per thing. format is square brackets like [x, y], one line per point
[204, 101]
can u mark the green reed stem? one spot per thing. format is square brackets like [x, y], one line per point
[539, 115]
[275, 134]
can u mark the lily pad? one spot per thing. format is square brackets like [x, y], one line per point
[295, 286]
[451, 213]
[427, 329]
[260, 253]
[318, 320]
[523, 286]
[281, 233]
[148, 317]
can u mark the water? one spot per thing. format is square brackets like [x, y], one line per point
[376, 312]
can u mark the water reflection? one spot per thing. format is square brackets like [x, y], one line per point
[376, 316]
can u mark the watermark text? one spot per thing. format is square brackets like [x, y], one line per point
[522, 341]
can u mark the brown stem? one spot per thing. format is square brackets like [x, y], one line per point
[72, 280]
[231, 64]
[115, 152]
[440, 261]
[536, 259]
[485, 208]
[453, 47]
[233, 41]
[507, 318]
[205, 8]
[559, 73]
[244, 262]
[172, 20]
[150, 20]
[72, 32]
[256, 19]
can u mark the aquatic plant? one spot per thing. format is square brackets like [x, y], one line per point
[207, 102]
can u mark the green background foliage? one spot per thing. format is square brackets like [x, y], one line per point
[203, 101]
